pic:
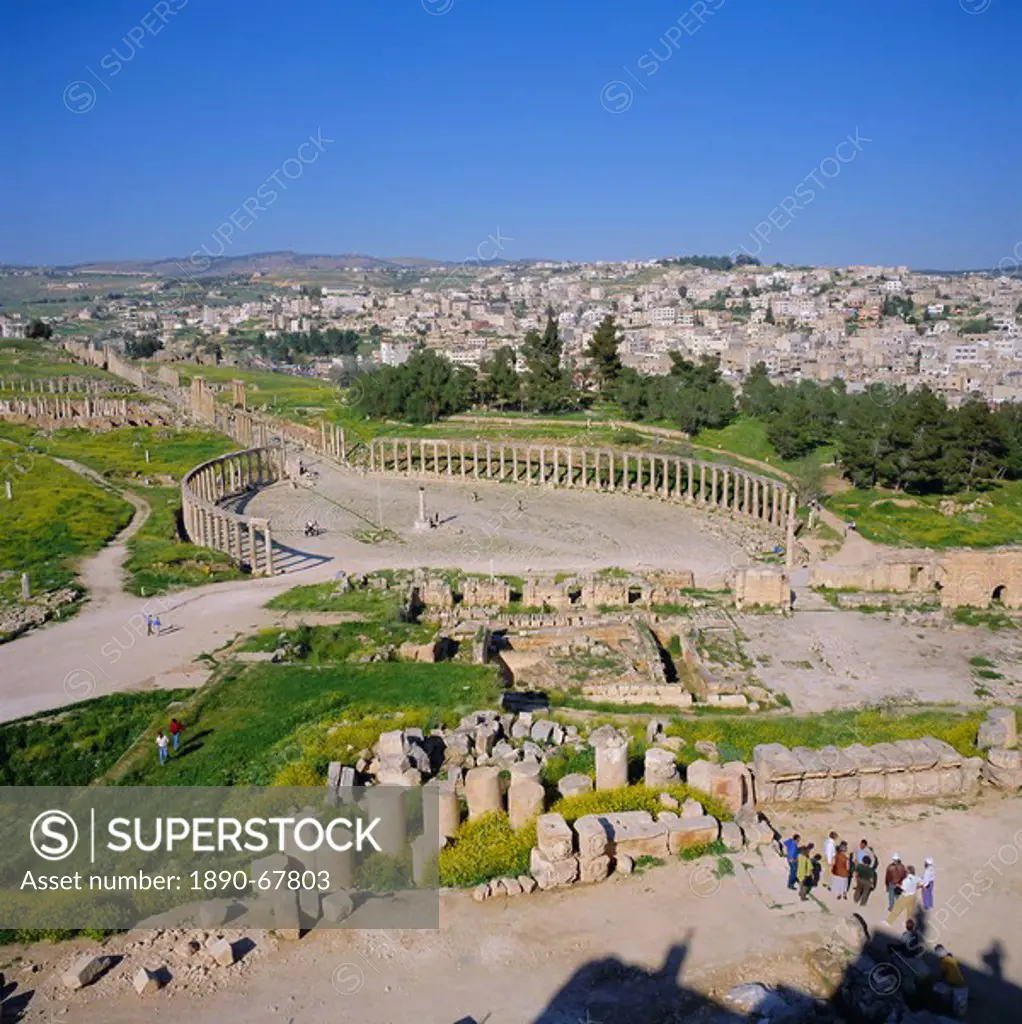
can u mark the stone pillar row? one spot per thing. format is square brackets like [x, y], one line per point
[668, 477]
[243, 538]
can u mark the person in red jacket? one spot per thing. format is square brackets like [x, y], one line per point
[893, 877]
[176, 729]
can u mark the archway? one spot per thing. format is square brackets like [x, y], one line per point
[997, 597]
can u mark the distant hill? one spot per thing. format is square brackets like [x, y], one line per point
[283, 262]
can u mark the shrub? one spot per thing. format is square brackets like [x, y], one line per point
[301, 773]
[633, 798]
[486, 848]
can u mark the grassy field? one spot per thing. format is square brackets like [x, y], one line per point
[158, 560]
[255, 721]
[29, 358]
[76, 745]
[916, 521]
[54, 518]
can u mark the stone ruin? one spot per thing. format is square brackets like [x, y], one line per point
[762, 587]
[998, 736]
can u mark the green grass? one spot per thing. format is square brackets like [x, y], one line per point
[76, 745]
[55, 518]
[921, 524]
[24, 357]
[322, 597]
[841, 728]
[159, 561]
[994, 620]
[322, 645]
[247, 726]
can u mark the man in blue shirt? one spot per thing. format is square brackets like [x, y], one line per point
[791, 856]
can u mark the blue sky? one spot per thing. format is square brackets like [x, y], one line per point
[137, 131]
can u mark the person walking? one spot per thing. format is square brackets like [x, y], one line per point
[864, 850]
[804, 873]
[161, 745]
[148, 625]
[906, 902]
[157, 625]
[829, 852]
[893, 877]
[865, 880]
[175, 732]
[842, 872]
[929, 876]
[791, 851]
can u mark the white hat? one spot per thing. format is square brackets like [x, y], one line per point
[895, 856]
[929, 860]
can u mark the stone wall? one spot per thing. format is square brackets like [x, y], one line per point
[766, 587]
[962, 578]
[920, 769]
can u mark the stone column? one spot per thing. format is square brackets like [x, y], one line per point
[665, 487]
[489, 462]
[571, 468]
[525, 799]
[461, 459]
[713, 484]
[789, 554]
[253, 553]
[610, 461]
[502, 470]
[268, 540]
[690, 494]
[702, 482]
[542, 463]
[475, 460]
[611, 758]
[514, 463]
[727, 489]
[450, 471]
[625, 485]
[482, 791]
[448, 811]
[585, 471]
[748, 488]
[775, 516]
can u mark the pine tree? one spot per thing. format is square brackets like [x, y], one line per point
[603, 351]
[547, 387]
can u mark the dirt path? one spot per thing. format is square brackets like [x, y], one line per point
[102, 574]
[593, 953]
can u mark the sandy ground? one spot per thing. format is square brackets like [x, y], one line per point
[592, 954]
[514, 529]
[828, 659]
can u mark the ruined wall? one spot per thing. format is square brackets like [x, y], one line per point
[766, 587]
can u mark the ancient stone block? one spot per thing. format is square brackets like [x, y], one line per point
[814, 765]
[660, 768]
[817, 790]
[636, 834]
[846, 787]
[766, 792]
[927, 783]
[971, 768]
[1003, 768]
[593, 836]
[594, 869]
[612, 767]
[542, 730]
[787, 792]
[946, 754]
[837, 761]
[574, 784]
[949, 781]
[731, 835]
[734, 786]
[998, 729]
[146, 982]
[84, 971]
[554, 837]
[896, 758]
[873, 786]
[220, 951]
[390, 745]
[336, 907]
[865, 759]
[691, 809]
[683, 833]
[901, 785]
[524, 801]
[482, 791]
[921, 754]
[550, 874]
[527, 768]
[701, 775]
[774, 762]
[528, 884]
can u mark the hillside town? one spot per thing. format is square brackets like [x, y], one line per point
[956, 333]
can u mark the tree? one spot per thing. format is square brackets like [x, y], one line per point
[547, 387]
[142, 348]
[499, 383]
[759, 396]
[603, 351]
[421, 390]
[769, 318]
[38, 329]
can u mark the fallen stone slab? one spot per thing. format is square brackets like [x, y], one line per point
[635, 834]
[774, 762]
[998, 729]
[147, 982]
[528, 884]
[594, 833]
[575, 784]
[554, 838]
[921, 755]
[550, 874]
[684, 833]
[220, 951]
[84, 971]
[731, 836]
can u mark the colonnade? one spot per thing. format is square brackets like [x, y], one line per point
[68, 408]
[246, 539]
[668, 477]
